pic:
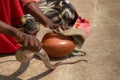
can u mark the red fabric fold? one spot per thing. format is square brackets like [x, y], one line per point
[10, 13]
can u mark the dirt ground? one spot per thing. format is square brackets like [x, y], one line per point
[102, 48]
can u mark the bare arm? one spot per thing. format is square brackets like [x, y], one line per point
[26, 40]
[7, 29]
[33, 9]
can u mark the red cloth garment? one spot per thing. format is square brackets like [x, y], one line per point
[10, 13]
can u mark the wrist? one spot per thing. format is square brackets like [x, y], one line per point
[17, 34]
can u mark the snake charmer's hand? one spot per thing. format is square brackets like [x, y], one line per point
[28, 41]
[52, 25]
[64, 27]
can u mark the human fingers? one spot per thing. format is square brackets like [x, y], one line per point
[31, 44]
[64, 27]
[26, 41]
[53, 26]
[37, 44]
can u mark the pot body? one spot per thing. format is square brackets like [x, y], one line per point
[57, 45]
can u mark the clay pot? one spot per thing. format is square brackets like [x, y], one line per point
[57, 45]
